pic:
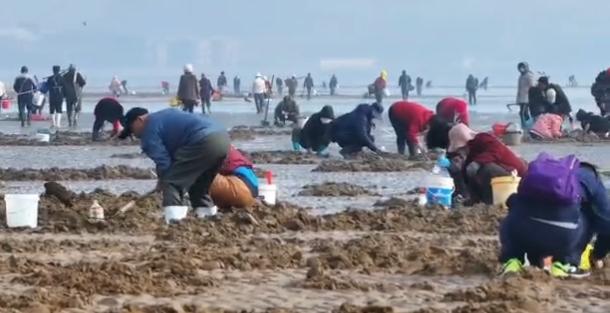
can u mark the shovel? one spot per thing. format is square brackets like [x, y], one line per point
[264, 122]
[132, 203]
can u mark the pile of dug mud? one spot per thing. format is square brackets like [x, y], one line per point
[368, 162]
[332, 189]
[280, 157]
[103, 172]
[63, 139]
[246, 133]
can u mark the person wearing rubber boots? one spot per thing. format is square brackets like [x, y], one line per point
[188, 150]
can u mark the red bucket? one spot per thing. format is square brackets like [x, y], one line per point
[6, 104]
[499, 129]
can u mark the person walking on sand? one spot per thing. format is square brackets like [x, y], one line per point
[472, 84]
[107, 110]
[115, 87]
[206, 90]
[333, 84]
[25, 87]
[308, 85]
[188, 89]
[188, 150]
[221, 83]
[237, 85]
[73, 90]
[404, 82]
[526, 81]
[292, 83]
[259, 88]
[55, 84]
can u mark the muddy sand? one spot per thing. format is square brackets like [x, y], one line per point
[280, 157]
[246, 133]
[67, 174]
[369, 162]
[332, 189]
[63, 139]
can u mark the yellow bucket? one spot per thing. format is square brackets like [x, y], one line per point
[503, 187]
[175, 102]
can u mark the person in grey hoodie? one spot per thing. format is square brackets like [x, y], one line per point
[188, 89]
[526, 81]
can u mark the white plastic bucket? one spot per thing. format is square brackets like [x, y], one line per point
[268, 193]
[175, 213]
[440, 190]
[22, 210]
[43, 137]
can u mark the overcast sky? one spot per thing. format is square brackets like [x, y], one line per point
[442, 40]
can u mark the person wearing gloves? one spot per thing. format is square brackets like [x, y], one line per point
[314, 136]
[547, 127]
[544, 221]
[188, 150]
[286, 110]
[477, 159]
[55, 84]
[453, 110]
[107, 110]
[259, 88]
[188, 89]
[236, 184]
[409, 120]
[526, 81]
[352, 131]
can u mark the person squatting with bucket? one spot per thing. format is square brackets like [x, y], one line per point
[189, 150]
[560, 205]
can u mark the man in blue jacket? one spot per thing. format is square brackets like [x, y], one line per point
[352, 131]
[188, 150]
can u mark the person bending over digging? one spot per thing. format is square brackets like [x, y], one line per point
[236, 185]
[559, 206]
[107, 110]
[352, 131]
[315, 134]
[188, 150]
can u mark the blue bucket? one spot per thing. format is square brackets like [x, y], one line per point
[440, 191]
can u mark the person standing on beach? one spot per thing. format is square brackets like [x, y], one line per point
[419, 85]
[280, 86]
[188, 89]
[259, 88]
[73, 89]
[55, 83]
[221, 83]
[292, 83]
[206, 91]
[188, 150]
[405, 85]
[308, 84]
[379, 86]
[333, 85]
[107, 110]
[472, 85]
[115, 86]
[237, 85]
[526, 81]
[25, 87]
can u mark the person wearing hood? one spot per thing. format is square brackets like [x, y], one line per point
[352, 131]
[315, 134]
[554, 99]
[259, 88]
[404, 82]
[115, 87]
[188, 151]
[107, 110]
[593, 124]
[526, 81]
[286, 110]
[472, 84]
[409, 120]
[222, 82]
[308, 85]
[188, 89]
[333, 84]
[237, 85]
[74, 83]
[478, 158]
[25, 87]
[55, 84]
[236, 184]
[600, 90]
[292, 84]
[542, 225]
[453, 110]
[379, 86]
[206, 91]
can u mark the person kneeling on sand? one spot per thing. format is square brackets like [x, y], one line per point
[547, 127]
[315, 134]
[594, 124]
[286, 110]
[236, 185]
[107, 110]
[352, 131]
[188, 150]
[478, 158]
[560, 205]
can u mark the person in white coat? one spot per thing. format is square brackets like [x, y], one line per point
[527, 80]
[258, 90]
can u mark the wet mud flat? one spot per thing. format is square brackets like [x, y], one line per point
[332, 189]
[370, 162]
[281, 157]
[245, 133]
[68, 174]
[398, 258]
[63, 139]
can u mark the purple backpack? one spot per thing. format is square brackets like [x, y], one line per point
[552, 180]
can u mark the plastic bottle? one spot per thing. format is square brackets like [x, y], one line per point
[422, 197]
[442, 163]
[96, 211]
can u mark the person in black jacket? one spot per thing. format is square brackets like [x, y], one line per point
[404, 81]
[286, 110]
[601, 91]
[73, 86]
[352, 131]
[556, 100]
[107, 110]
[55, 84]
[206, 92]
[591, 123]
[25, 87]
[315, 136]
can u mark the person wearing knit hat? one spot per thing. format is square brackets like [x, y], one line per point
[188, 89]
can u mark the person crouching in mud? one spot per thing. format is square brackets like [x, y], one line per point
[286, 110]
[188, 150]
[547, 127]
[107, 110]
[236, 185]
[560, 222]
[315, 134]
[352, 131]
[409, 120]
[593, 124]
[476, 159]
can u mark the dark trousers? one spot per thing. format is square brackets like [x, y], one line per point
[332, 91]
[188, 105]
[292, 92]
[259, 101]
[206, 102]
[348, 150]
[193, 170]
[479, 185]
[472, 97]
[524, 115]
[405, 92]
[25, 106]
[309, 90]
[400, 128]
[98, 125]
[55, 107]
[379, 96]
[71, 110]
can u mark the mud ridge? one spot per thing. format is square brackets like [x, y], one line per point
[332, 189]
[63, 139]
[280, 157]
[366, 162]
[103, 172]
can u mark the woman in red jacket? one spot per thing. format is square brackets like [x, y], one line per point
[453, 110]
[477, 159]
[409, 120]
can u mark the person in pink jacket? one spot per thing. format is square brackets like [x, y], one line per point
[548, 126]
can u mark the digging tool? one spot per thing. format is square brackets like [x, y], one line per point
[265, 123]
[132, 203]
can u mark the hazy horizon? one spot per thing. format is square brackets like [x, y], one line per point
[443, 41]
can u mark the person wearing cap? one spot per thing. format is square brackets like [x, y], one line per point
[188, 89]
[352, 131]
[292, 84]
[55, 84]
[286, 110]
[107, 110]
[259, 87]
[236, 184]
[477, 159]
[409, 120]
[315, 134]
[308, 85]
[188, 150]
[74, 83]
[453, 110]
[25, 87]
